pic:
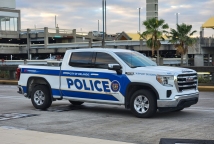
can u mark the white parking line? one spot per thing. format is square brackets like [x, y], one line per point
[206, 98]
[12, 97]
[201, 109]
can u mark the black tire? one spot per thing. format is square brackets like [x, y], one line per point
[148, 104]
[41, 93]
[76, 102]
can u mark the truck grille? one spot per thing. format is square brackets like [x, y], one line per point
[187, 81]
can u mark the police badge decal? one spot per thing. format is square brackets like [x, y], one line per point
[115, 86]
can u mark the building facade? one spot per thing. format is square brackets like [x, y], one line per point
[151, 9]
[10, 19]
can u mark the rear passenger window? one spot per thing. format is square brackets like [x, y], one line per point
[103, 59]
[81, 59]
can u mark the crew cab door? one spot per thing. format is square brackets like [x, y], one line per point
[75, 78]
[108, 85]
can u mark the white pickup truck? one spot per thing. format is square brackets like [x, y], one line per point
[110, 76]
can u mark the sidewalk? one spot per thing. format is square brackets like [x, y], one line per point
[201, 88]
[16, 136]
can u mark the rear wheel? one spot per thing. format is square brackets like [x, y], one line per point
[143, 104]
[76, 102]
[40, 97]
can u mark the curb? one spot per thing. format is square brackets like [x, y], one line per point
[200, 88]
[206, 88]
[9, 82]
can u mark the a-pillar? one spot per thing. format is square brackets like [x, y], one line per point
[28, 43]
[46, 37]
[74, 31]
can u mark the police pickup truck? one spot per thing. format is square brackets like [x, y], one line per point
[110, 76]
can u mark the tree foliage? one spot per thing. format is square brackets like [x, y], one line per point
[154, 33]
[181, 38]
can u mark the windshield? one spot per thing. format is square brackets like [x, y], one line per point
[135, 59]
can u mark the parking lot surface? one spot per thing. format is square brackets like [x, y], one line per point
[107, 122]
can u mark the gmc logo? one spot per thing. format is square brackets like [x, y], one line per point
[189, 79]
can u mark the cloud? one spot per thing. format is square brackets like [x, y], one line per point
[122, 15]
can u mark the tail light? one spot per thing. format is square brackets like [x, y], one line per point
[18, 71]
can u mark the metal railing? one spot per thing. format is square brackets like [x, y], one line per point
[166, 61]
[31, 62]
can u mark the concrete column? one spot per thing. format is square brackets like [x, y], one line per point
[19, 22]
[187, 59]
[90, 39]
[141, 44]
[199, 60]
[0, 25]
[212, 79]
[208, 60]
[12, 74]
[210, 41]
[28, 43]
[57, 30]
[46, 37]
[74, 31]
[212, 60]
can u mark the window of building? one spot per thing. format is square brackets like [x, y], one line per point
[8, 23]
[81, 59]
[103, 59]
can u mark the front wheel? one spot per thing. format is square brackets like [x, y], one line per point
[40, 97]
[76, 102]
[143, 104]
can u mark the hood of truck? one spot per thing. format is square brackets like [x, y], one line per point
[166, 70]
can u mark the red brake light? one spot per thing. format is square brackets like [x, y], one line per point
[18, 71]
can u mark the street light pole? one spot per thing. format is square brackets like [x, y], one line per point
[139, 17]
[98, 25]
[177, 18]
[104, 21]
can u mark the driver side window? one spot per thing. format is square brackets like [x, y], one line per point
[103, 59]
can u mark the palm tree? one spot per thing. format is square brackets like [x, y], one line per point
[181, 38]
[154, 33]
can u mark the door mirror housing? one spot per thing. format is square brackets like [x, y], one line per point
[114, 67]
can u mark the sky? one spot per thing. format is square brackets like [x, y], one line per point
[122, 15]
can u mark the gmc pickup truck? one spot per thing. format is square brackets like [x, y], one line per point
[110, 76]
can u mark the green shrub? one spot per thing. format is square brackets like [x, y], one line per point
[4, 74]
[203, 80]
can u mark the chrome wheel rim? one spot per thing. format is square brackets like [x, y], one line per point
[39, 97]
[141, 104]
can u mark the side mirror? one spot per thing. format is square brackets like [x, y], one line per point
[114, 67]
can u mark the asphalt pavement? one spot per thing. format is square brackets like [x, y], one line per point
[106, 123]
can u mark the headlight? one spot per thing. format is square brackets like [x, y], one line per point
[165, 80]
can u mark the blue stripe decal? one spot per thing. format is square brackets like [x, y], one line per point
[88, 95]
[24, 89]
[40, 71]
[122, 79]
[56, 92]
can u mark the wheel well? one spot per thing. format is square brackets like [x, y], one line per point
[132, 88]
[34, 81]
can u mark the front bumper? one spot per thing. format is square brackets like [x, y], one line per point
[180, 101]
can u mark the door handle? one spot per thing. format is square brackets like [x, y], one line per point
[94, 74]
